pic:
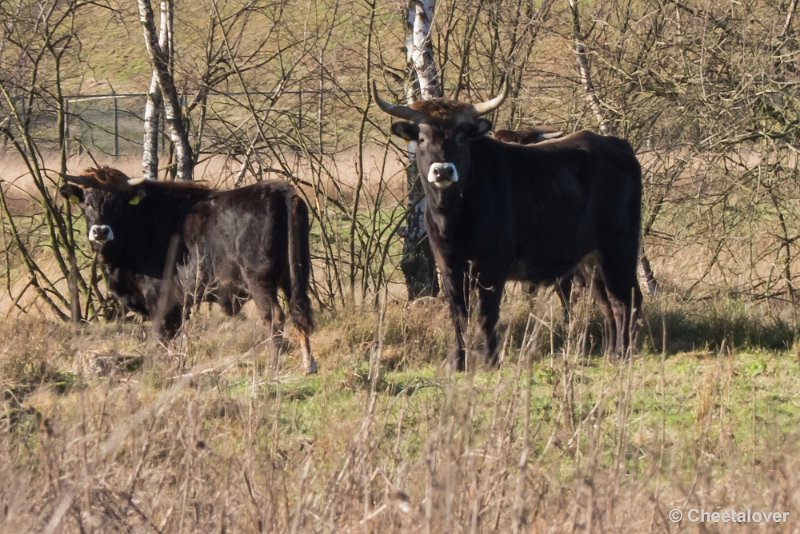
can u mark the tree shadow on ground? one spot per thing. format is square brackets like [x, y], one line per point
[674, 329]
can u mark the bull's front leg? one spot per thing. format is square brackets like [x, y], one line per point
[168, 322]
[165, 307]
[454, 281]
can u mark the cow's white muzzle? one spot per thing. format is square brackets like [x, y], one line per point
[442, 175]
[101, 233]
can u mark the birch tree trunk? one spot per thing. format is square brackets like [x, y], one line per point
[159, 58]
[586, 73]
[596, 105]
[152, 110]
[417, 264]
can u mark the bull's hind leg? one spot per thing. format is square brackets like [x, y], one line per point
[265, 297]
[564, 292]
[309, 363]
[622, 285]
[303, 336]
[278, 322]
[600, 293]
[488, 315]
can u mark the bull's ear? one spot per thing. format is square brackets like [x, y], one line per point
[407, 130]
[139, 194]
[71, 192]
[473, 130]
[482, 127]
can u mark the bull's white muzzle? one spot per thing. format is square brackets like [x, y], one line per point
[442, 175]
[101, 233]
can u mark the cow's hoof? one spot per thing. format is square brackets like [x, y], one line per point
[458, 360]
[491, 362]
[311, 369]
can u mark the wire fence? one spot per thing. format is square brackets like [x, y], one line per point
[113, 123]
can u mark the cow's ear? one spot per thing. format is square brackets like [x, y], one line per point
[71, 192]
[482, 127]
[139, 194]
[407, 130]
[473, 130]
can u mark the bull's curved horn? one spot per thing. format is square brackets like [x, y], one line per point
[396, 110]
[490, 105]
[551, 135]
[82, 181]
[137, 181]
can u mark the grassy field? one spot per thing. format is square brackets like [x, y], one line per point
[103, 430]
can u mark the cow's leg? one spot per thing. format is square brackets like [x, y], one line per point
[171, 322]
[285, 284]
[265, 297]
[278, 320]
[564, 292]
[489, 297]
[609, 320]
[303, 337]
[622, 286]
[165, 307]
[309, 363]
[458, 299]
[276, 325]
[231, 304]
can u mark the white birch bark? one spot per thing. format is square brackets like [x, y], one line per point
[417, 265]
[585, 71]
[419, 49]
[159, 58]
[152, 110]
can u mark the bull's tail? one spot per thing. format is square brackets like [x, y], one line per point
[299, 264]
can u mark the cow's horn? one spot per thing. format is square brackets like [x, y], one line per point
[81, 180]
[395, 110]
[136, 181]
[490, 105]
[552, 135]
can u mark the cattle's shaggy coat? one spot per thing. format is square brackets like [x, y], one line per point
[167, 245]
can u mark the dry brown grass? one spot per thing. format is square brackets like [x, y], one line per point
[103, 430]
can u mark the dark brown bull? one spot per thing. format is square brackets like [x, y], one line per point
[167, 245]
[500, 211]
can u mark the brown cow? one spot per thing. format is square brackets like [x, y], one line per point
[166, 245]
[500, 211]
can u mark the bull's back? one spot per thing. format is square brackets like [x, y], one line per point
[244, 230]
[565, 196]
